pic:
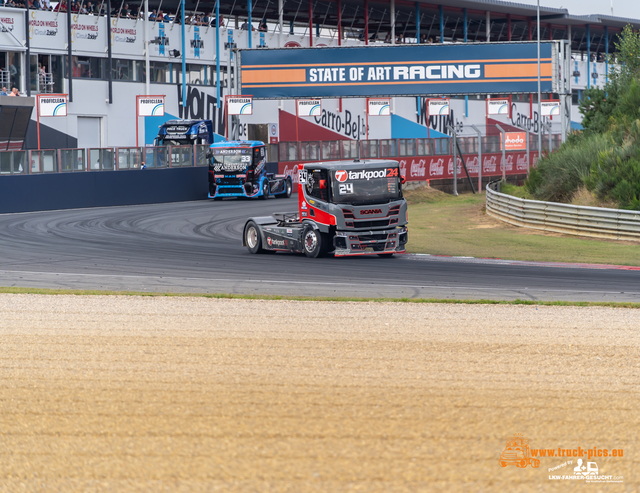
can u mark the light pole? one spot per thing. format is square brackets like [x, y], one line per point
[539, 94]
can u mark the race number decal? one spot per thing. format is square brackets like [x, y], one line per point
[302, 176]
[392, 172]
[345, 188]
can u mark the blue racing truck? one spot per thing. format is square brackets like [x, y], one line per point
[187, 132]
[239, 169]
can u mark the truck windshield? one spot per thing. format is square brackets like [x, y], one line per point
[366, 185]
[230, 160]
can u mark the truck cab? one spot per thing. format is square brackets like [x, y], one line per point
[239, 169]
[344, 207]
[186, 132]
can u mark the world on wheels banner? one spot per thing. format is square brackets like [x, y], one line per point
[409, 70]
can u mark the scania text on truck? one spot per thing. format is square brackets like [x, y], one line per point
[344, 207]
[239, 169]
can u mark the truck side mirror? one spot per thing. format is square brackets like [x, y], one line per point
[403, 179]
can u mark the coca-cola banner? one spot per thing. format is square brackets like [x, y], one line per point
[423, 168]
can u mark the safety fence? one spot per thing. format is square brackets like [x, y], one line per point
[396, 148]
[100, 159]
[563, 218]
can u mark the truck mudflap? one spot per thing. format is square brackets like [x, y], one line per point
[389, 241]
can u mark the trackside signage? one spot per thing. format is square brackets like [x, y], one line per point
[397, 70]
[239, 105]
[498, 106]
[150, 105]
[309, 107]
[52, 105]
[379, 106]
[550, 108]
[514, 141]
[437, 107]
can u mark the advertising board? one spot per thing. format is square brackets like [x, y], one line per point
[52, 105]
[514, 141]
[309, 107]
[150, 105]
[550, 108]
[378, 106]
[239, 105]
[408, 70]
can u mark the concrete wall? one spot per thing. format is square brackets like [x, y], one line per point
[28, 193]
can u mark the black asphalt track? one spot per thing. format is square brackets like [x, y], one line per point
[196, 247]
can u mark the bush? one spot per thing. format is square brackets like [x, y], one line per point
[559, 175]
[605, 157]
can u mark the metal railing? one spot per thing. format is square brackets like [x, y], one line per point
[569, 219]
[100, 159]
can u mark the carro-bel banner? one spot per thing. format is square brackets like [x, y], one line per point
[413, 70]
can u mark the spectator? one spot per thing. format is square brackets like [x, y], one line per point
[152, 15]
[244, 26]
[423, 38]
[4, 92]
[263, 26]
[14, 92]
[387, 38]
[91, 10]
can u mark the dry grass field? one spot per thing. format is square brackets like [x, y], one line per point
[119, 394]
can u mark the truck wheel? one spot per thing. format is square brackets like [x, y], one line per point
[252, 238]
[313, 243]
[265, 189]
[503, 463]
[288, 187]
[535, 463]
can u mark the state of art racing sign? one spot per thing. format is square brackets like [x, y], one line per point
[398, 70]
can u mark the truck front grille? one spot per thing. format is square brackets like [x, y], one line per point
[381, 223]
[380, 237]
[239, 190]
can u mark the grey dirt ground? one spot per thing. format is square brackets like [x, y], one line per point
[164, 394]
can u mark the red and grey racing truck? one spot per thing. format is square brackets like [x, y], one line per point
[344, 207]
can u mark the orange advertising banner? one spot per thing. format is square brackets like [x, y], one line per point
[515, 141]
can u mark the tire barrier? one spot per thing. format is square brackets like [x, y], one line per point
[569, 219]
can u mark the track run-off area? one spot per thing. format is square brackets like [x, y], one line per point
[192, 394]
[195, 247]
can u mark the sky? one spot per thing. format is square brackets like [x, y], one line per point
[621, 8]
